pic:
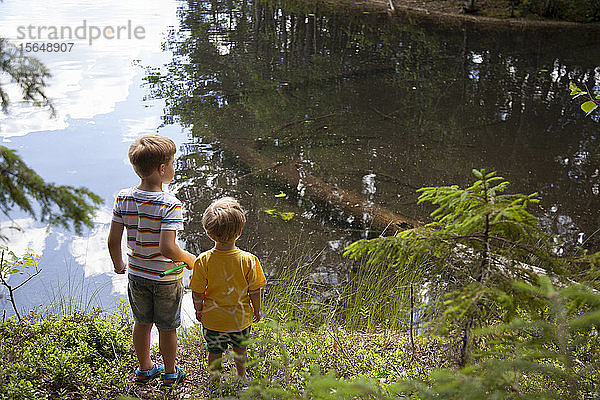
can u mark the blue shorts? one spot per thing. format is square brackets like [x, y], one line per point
[154, 302]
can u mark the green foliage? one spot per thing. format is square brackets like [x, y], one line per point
[374, 297]
[290, 295]
[481, 239]
[292, 361]
[286, 216]
[60, 205]
[478, 233]
[588, 106]
[17, 265]
[568, 10]
[83, 355]
[27, 73]
[551, 351]
[10, 264]
[470, 217]
[370, 298]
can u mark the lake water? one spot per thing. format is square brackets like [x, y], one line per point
[355, 103]
[101, 101]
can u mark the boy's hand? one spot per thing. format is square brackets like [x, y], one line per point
[190, 266]
[120, 270]
[198, 299]
[170, 249]
[255, 301]
[115, 235]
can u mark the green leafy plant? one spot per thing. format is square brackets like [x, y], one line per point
[588, 106]
[481, 239]
[286, 216]
[59, 205]
[10, 264]
[83, 355]
[549, 351]
[28, 73]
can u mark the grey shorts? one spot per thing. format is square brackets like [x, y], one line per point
[154, 302]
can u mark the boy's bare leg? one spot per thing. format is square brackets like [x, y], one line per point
[167, 342]
[214, 365]
[141, 344]
[240, 357]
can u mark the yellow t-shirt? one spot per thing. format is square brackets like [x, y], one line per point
[225, 277]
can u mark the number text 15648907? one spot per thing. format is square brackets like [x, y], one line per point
[48, 47]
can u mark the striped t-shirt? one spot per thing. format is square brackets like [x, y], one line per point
[144, 215]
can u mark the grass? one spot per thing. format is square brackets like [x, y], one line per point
[291, 295]
[308, 340]
[368, 298]
[296, 352]
[289, 361]
[73, 294]
[374, 296]
[318, 340]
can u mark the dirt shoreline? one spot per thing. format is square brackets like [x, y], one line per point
[449, 15]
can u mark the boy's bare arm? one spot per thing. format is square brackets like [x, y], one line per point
[114, 247]
[198, 299]
[169, 248]
[255, 300]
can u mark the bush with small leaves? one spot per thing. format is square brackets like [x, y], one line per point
[83, 355]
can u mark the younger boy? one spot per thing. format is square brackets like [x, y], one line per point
[152, 218]
[226, 285]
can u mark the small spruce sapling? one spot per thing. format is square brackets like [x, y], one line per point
[481, 239]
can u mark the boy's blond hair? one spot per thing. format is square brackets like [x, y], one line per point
[224, 220]
[148, 152]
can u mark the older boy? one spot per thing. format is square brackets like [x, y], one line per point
[152, 218]
[226, 285]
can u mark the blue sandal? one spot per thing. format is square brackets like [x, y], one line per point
[145, 376]
[177, 377]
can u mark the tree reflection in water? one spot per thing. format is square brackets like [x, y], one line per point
[348, 97]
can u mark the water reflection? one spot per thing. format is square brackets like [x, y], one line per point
[366, 106]
[101, 107]
[89, 80]
[376, 108]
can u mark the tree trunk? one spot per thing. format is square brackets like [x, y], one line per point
[412, 310]
[293, 175]
[465, 350]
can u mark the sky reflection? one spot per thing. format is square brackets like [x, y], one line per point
[99, 95]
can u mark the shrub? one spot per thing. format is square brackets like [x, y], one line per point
[82, 355]
[569, 10]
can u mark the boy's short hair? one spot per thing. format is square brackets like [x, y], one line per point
[224, 219]
[148, 152]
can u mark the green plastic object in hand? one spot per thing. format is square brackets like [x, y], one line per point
[170, 271]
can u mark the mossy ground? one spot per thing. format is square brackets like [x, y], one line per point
[90, 356]
[284, 357]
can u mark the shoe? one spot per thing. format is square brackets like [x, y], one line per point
[144, 376]
[176, 377]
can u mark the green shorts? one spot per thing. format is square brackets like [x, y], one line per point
[217, 342]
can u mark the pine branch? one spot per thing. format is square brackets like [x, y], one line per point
[58, 204]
